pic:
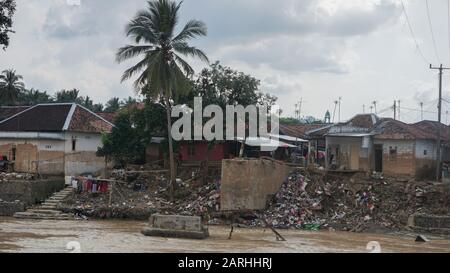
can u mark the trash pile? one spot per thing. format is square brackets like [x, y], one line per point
[200, 202]
[16, 176]
[314, 202]
[310, 201]
[138, 194]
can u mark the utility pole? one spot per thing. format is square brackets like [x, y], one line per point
[375, 106]
[300, 108]
[334, 112]
[364, 108]
[421, 111]
[395, 110]
[340, 100]
[399, 118]
[438, 154]
[446, 117]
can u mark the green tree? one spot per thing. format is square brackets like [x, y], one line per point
[98, 107]
[7, 9]
[11, 85]
[33, 96]
[162, 68]
[129, 102]
[224, 86]
[68, 96]
[123, 144]
[113, 105]
[133, 131]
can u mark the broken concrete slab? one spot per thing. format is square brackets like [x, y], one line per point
[247, 183]
[176, 226]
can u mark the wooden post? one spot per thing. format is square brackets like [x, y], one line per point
[111, 193]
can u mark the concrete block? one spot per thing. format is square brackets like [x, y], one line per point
[176, 226]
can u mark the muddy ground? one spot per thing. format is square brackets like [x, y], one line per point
[113, 236]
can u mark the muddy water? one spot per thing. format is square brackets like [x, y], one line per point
[125, 236]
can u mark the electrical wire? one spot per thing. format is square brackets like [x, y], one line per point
[432, 32]
[413, 35]
[448, 23]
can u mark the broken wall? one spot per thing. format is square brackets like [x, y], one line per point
[33, 156]
[247, 184]
[29, 192]
[402, 162]
[425, 163]
[351, 155]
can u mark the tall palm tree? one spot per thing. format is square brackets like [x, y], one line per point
[161, 70]
[11, 85]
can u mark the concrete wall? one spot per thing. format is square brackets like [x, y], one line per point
[9, 208]
[56, 157]
[350, 153]
[29, 192]
[83, 159]
[425, 163]
[403, 162]
[31, 155]
[246, 184]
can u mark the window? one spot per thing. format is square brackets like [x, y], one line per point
[392, 153]
[191, 150]
[48, 147]
[425, 152]
[74, 145]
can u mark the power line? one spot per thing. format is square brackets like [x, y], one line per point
[431, 30]
[412, 34]
[448, 23]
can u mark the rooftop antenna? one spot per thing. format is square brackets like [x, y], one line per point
[421, 111]
[334, 112]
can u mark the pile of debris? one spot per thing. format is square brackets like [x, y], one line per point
[314, 202]
[16, 176]
[137, 194]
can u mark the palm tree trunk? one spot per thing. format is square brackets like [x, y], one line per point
[171, 156]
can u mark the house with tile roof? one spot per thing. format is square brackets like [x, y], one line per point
[54, 139]
[368, 143]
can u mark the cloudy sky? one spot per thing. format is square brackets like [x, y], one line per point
[318, 50]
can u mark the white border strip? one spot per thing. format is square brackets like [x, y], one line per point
[69, 117]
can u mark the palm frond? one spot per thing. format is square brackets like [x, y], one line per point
[142, 27]
[186, 50]
[188, 70]
[131, 51]
[191, 30]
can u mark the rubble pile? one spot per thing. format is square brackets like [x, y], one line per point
[16, 176]
[138, 194]
[314, 202]
[306, 200]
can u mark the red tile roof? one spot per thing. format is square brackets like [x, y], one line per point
[367, 121]
[56, 117]
[108, 116]
[394, 129]
[299, 130]
[432, 126]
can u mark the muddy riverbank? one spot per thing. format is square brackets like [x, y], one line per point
[124, 236]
